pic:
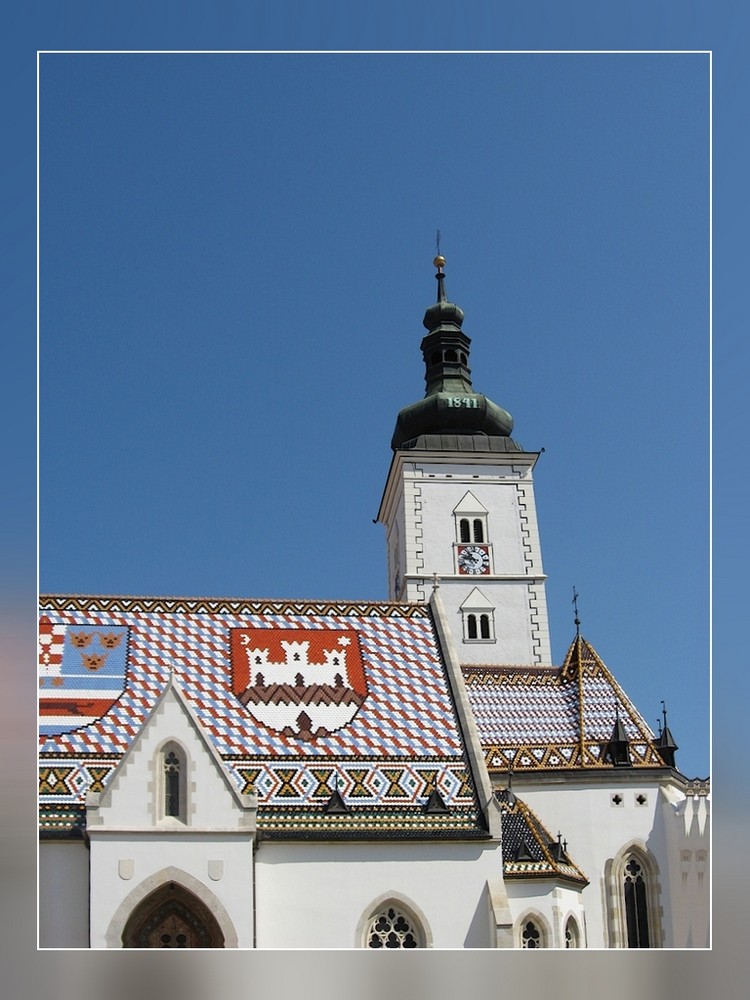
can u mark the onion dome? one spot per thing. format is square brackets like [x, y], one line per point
[452, 415]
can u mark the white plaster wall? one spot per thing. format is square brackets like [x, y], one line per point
[596, 830]
[425, 493]
[63, 894]
[548, 904]
[685, 823]
[514, 640]
[147, 854]
[131, 798]
[313, 895]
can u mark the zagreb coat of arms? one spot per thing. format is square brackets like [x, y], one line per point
[305, 683]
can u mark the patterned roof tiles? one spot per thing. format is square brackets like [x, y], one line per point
[528, 849]
[295, 698]
[532, 718]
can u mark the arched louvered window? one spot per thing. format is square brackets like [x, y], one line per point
[464, 529]
[479, 626]
[478, 529]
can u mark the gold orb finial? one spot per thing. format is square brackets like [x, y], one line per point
[439, 261]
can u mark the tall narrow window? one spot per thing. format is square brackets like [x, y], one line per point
[636, 905]
[478, 530]
[464, 529]
[471, 626]
[633, 899]
[171, 784]
[484, 626]
[171, 769]
[572, 937]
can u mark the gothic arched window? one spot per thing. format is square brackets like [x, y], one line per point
[171, 763]
[634, 911]
[572, 934]
[393, 928]
[531, 935]
[636, 905]
[171, 784]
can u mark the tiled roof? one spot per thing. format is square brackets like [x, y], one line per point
[532, 718]
[528, 849]
[298, 699]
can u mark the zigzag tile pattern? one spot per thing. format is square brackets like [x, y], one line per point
[403, 740]
[532, 718]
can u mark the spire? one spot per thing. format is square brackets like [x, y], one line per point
[577, 620]
[452, 415]
[665, 744]
[618, 748]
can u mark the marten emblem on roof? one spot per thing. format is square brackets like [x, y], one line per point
[305, 683]
[82, 673]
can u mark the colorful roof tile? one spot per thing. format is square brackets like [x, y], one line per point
[528, 849]
[532, 718]
[299, 699]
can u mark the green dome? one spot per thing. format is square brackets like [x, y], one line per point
[450, 407]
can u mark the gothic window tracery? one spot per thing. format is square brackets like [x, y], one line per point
[393, 928]
[634, 908]
[531, 935]
[171, 767]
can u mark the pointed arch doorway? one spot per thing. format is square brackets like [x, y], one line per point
[172, 917]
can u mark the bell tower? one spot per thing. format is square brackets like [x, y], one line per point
[458, 506]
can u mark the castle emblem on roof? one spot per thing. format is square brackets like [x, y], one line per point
[305, 683]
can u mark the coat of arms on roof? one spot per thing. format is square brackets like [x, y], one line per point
[305, 683]
[82, 673]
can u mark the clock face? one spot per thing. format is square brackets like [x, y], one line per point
[473, 559]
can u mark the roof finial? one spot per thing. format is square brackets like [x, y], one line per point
[439, 260]
[511, 796]
[575, 605]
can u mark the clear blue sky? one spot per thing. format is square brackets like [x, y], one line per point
[235, 257]
[575, 298]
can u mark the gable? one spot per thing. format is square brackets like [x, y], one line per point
[476, 601]
[134, 795]
[469, 504]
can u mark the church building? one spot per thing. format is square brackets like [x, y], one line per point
[409, 773]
